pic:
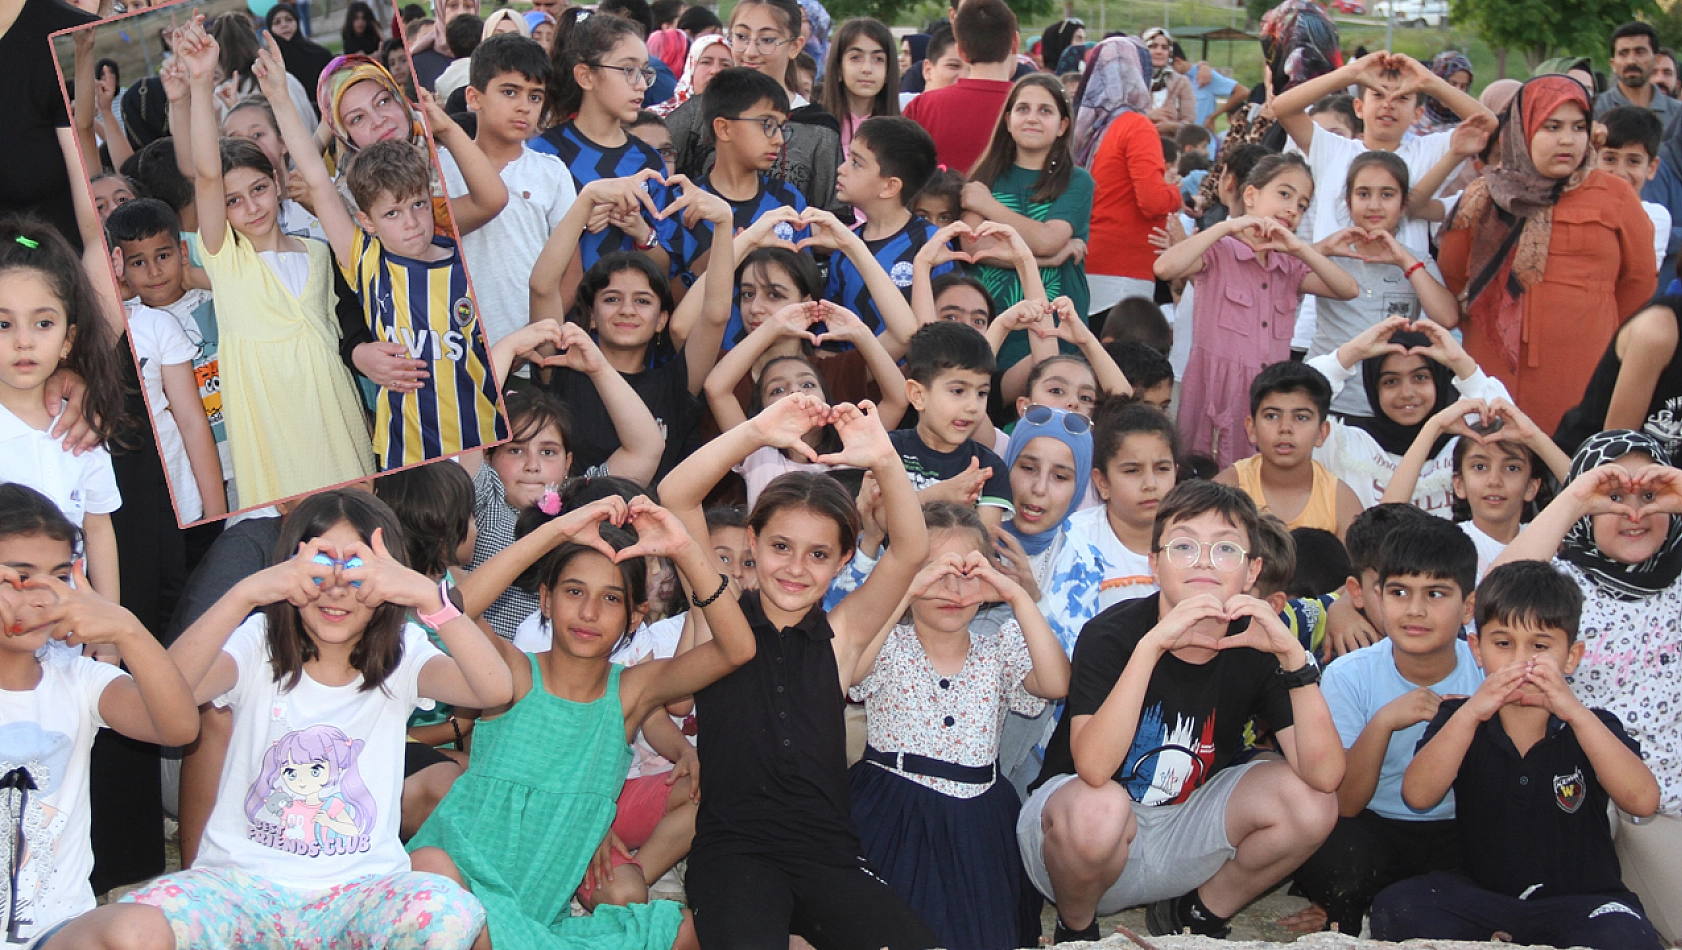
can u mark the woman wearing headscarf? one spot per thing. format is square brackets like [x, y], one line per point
[238, 41]
[708, 56]
[1616, 531]
[305, 58]
[1122, 149]
[913, 49]
[1173, 100]
[1058, 37]
[1299, 42]
[1452, 67]
[1548, 254]
[1075, 58]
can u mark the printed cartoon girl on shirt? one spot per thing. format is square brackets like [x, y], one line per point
[309, 798]
[32, 765]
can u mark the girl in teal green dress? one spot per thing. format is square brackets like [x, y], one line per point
[523, 824]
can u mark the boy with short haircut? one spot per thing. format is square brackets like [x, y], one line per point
[1381, 698]
[1631, 152]
[942, 66]
[1364, 539]
[506, 91]
[1139, 320]
[1150, 372]
[1389, 104]
[173, 331]
[889, 162]
[745, 111]
[391, 253]
[1193, 139]
[948, 373]
[462, 36]
[1289, 404]
[1139, 801]
[1532, 770]
[961, 116]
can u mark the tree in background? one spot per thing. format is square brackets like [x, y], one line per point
[1539, 29]
[890, 11]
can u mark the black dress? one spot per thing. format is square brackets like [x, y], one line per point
[32, 111]
[1663, 418]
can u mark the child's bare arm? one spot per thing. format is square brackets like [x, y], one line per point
[330, 210]
[792, 321]
[1645, 347]
[101, 541]
[1434, 767]
[198, 51]
[182, 389]
[486, 193]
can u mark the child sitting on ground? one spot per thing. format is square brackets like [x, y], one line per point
[1381, 698]
[1532, 770]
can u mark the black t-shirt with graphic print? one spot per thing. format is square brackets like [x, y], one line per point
[1191, 723]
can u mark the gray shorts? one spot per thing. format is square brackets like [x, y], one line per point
[1178, 847]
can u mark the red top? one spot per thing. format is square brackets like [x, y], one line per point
[1131, 197]
[961, 119]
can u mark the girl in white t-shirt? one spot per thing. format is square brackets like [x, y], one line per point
[322, 670]
[51, 705]
[1105, 557]
[1496, 475]
[49, 319]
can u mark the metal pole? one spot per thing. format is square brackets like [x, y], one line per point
[1389, 24]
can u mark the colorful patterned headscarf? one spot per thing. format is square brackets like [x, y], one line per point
[686, 84]
[1438, 116]
[1114, 83]
[346, 71]
[1299, 42]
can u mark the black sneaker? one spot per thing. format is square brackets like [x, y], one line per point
[1062, 934]
[1162, 919]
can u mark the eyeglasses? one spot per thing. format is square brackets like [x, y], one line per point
[766, 45]
[773, 129]
[1227, 556]
[1073, 422]
[346, 565]
[632, 74]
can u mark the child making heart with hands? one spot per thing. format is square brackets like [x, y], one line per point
[937, 690]
[1249, 274]
[322, 668]
[573, 716]
[51, 709]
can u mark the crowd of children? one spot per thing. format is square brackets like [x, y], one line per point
[978, 567]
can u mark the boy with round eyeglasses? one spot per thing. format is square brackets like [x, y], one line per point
[1139, 801]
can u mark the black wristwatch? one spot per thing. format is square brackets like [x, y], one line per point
[1306, 675]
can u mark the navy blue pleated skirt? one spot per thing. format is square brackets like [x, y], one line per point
[954, 860]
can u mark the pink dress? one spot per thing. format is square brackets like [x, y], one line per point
[1242, 319]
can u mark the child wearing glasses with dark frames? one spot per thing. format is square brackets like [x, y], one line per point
[601, 77]
[1159, 693]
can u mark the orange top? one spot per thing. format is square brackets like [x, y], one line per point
[1599, 272]
[1321, 510]
[1131, 196]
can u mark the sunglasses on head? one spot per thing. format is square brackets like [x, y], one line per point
[1073, 422]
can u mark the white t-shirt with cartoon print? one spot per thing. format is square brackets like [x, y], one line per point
[313, 782]
[47, 734]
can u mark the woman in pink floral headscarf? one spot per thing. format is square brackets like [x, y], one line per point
[708, 55]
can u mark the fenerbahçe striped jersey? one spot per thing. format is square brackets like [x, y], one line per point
[425, 305]
[590, 162]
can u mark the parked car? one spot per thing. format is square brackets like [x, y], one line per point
[1349, 6]
[1415, 13]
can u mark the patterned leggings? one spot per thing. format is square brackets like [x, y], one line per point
[227, 909]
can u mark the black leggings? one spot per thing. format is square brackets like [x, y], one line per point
[752, 902]
[1367, 853]
[1446, 905]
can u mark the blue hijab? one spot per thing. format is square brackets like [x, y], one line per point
[1079, 444]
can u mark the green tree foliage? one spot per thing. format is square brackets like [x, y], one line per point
[1539, 29]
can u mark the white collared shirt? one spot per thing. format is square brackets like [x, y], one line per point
[79, 485]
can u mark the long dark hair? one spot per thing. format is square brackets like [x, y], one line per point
[351, 12]
[28, 243]
[434, 504]
[833, 96]
[25, 511]
[1001, 151]
[380, 649]
[587, 40]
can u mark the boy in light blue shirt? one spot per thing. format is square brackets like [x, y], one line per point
[1381, 699]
